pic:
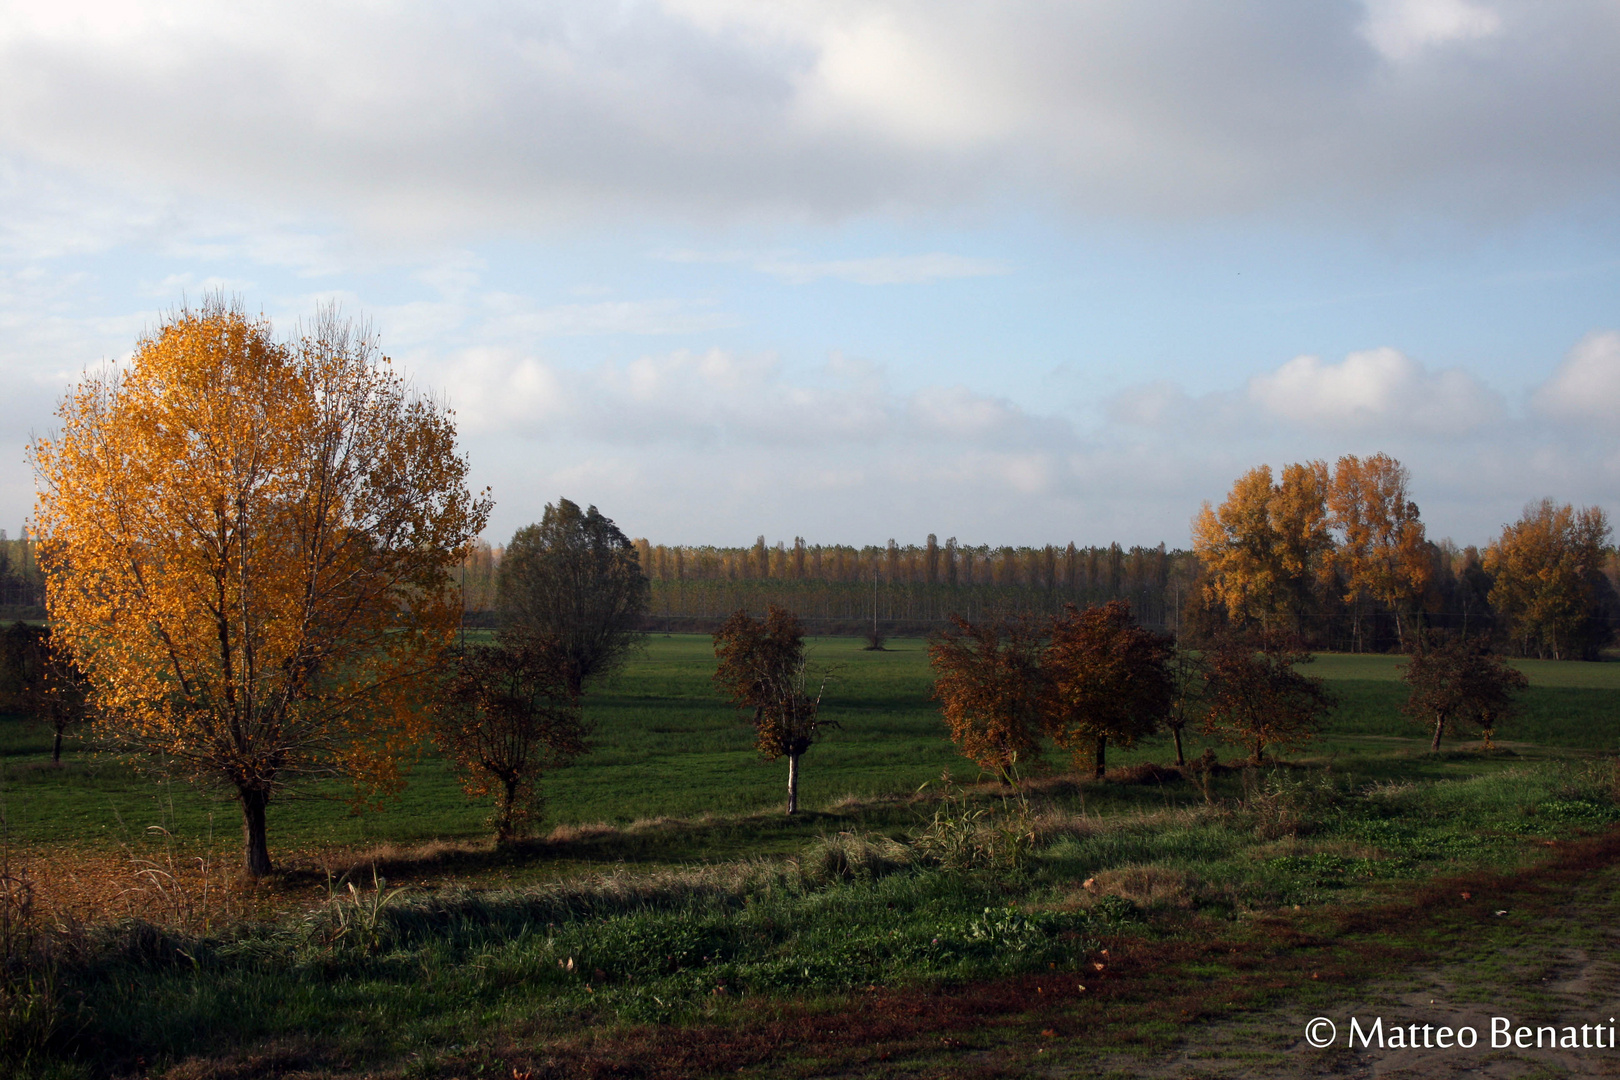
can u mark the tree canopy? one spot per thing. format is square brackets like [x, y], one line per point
[1456, 681]
[247, 544]
[1255, 697]
[1548, 583]
[1109, 680]
[991, 689]
[762, 671]
[576, 579]
[508, 716]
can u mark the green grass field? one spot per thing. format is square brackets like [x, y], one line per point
[680, 942]
[666, 746]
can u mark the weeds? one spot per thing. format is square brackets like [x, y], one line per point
[31, 1005]
[964, 836]
[358, 915]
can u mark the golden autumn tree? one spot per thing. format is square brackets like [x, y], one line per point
[1264, 548]
[247, 545]
[1382, 555]
[1547, 580]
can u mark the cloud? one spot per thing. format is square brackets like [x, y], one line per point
[718, 397]
[1375, 390]
[443, 118]
[1586, 386]
[514, 318]
[1402, 29]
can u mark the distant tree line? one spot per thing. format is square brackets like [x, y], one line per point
[911, 587]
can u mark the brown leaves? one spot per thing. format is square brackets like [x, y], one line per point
[1109, 678]
[509, 715]
[762, 673]
[1258, 699]
[991, 690]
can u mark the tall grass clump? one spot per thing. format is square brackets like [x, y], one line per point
[31, 1006]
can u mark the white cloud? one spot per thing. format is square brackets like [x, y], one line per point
[515, 318]
[1375, 390]
[437, 118]
[1586, 386]
[1402, 29]
[715, 396]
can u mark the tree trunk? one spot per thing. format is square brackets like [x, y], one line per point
[793, 783]
[256, 853]
[1102, 755]
[503, 823]
[1259, 753]
[56, 748]
[1439, 726]
[1176, 731]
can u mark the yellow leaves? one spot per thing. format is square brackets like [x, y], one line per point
[1262, 548]
[1274, 548]
[1383, 553]
[1546, 568]
[248, 542]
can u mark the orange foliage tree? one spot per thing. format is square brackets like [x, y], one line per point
[763, 671]
[509, 714]
[247, 546]
[992, 690]
[1547, 571]
[1382, 553]
[1108, 679]
[1265, 548]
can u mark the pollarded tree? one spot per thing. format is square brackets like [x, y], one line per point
[575, 578]
[1109, 679]
[1257, 699]
[1548, 583]
[991, 688]
[1456, 681]
[248, 546]
[763, 673]
[508, 716]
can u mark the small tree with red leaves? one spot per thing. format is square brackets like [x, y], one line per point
[1108, 679]
[1456, 682]
[763, 672]
[991, 687]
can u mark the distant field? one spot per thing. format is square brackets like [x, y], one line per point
[667, 746]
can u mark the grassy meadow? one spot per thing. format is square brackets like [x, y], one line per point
[666, 746]
[672, 922]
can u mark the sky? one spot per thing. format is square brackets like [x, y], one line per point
[1014, 273]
